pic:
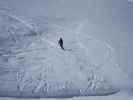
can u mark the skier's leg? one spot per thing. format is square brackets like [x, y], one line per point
[62, 47]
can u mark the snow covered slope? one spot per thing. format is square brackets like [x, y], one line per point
[98, 41]
[33, 65]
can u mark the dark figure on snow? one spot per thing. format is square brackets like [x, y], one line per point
[60, 42]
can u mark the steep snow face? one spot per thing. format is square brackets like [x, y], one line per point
[33, 65]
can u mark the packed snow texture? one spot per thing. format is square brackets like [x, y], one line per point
[97, 37]
[33, 65]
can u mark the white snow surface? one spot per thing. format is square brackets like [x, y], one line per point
[118, 96]
[97, 62]
[33, 65]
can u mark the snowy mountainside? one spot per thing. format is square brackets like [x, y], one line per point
[33, 65]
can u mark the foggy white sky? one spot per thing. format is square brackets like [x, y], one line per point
[130, 0]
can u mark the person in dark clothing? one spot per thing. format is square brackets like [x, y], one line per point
[60, 42]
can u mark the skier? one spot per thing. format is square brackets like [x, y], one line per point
[60, 42]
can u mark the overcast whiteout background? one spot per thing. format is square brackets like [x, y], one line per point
[97, 35]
